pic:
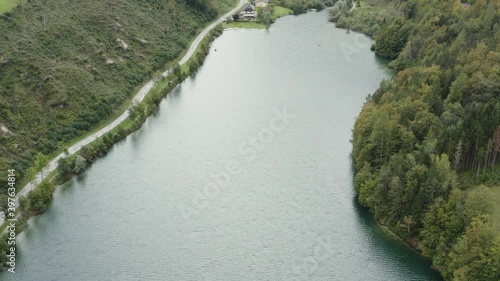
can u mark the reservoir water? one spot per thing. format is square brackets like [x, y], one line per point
[244, 173]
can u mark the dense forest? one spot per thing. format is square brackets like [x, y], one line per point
[426, 143]
[68, 66]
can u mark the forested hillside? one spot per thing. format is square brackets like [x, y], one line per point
[424, 148]
[65, 66]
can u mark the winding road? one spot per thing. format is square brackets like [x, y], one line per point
[137, 99]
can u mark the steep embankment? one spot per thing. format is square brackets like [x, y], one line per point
[67, 66]
[424, 145]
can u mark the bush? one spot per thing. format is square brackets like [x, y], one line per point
[39, 198]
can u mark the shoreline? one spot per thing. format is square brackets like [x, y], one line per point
[50, 170]
[154, 85]
[145, 96]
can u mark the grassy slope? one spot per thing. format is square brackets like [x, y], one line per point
[244, 24]
[7, 5]
[225, 5]
[55, 84]
[279, 12]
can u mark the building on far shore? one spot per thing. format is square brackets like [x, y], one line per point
[248, 12]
